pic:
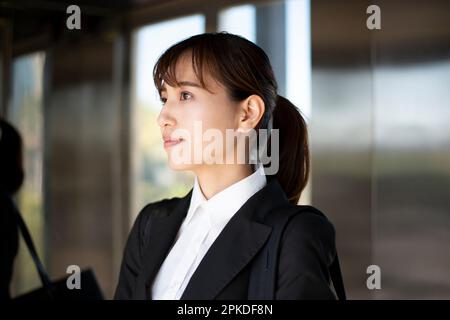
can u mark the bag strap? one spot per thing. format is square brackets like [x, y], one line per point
[264, 272]
[336, 277]
[30, 245]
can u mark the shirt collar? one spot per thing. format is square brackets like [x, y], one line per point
[223, 205]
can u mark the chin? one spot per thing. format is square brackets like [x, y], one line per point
[180, 166]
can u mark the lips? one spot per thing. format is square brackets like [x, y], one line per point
[171, 142]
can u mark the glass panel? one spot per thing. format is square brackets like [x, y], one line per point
[239, 20]
[298, 64]
[26, 113]
[411, 178]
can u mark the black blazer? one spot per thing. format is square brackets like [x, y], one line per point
[307, 250]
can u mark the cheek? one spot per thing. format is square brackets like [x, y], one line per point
[211, 116]
[219, 117]
[188, 118]
[200, 119]
[218, 123]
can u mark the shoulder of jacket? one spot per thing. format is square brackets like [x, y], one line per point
[157, 208]
[311, 226]
[309, 219]
[153, 209]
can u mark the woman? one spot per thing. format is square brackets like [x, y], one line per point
[202, 246]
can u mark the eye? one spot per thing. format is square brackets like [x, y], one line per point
[186, 95]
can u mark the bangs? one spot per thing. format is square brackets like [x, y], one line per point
[203, 62]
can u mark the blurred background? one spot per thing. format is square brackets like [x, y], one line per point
[377, 103]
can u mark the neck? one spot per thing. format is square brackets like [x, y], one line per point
[214, 178]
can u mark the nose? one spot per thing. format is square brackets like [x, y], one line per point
[164, 118]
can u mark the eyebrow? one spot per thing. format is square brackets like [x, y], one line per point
[184, 83]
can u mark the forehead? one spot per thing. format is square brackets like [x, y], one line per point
[185, 75]
[184, 68]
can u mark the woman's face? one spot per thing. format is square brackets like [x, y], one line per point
[196, 116]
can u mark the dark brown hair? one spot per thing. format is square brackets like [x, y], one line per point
[243, 68]
[11, 166]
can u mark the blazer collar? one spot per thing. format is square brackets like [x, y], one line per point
[223, 258]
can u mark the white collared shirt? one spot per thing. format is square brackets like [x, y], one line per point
[203, 223]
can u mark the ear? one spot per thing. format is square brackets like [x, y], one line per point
[251, 111]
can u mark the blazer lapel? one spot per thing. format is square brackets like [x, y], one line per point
[236, 245]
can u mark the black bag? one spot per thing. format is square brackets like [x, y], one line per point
[264, 273]
[56, 290]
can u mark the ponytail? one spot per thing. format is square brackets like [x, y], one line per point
[294, 160]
